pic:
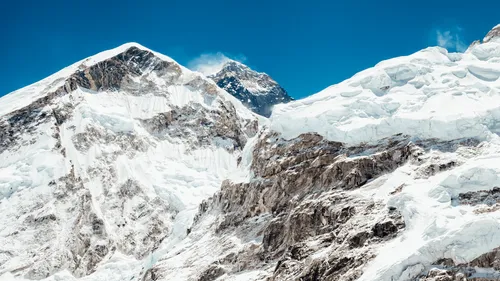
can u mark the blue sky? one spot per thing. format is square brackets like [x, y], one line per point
[304, 45]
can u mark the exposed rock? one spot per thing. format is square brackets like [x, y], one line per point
[303, 193]
[257, 91]
[358, 240]
[212, 273]
[483, 268]
[492, 35]
[397, 190]
[435, 168]
[304, 183]
[384, 229]
[220, 128]
[111, 73]
[485, 197]
[95, 136]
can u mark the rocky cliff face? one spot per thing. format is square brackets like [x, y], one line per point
[306, 210]
[257, 91]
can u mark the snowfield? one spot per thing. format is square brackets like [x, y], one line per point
[429, 94]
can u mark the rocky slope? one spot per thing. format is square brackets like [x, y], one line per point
[256, 90]
[158, 174]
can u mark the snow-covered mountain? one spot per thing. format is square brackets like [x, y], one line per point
[258, 91]
[109, 158]
[127, 166]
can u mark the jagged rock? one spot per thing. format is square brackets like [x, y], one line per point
[304, 183]
[476, 270]
[303, 194]
[211, 273]
[486, 197]
[138, 141]
[111, 73]
[257, 91]
[384, 229]
[196, 122]
[358, 240]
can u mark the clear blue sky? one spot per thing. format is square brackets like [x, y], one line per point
[305, 45]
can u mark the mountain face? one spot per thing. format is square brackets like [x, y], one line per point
[108, 159]
[127, 166]
[257, 91]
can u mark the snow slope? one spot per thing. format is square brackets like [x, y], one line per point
[429, 94]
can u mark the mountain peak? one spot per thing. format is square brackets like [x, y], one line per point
[493, 35]
[257, 90]
[232, 64]
[116, 62]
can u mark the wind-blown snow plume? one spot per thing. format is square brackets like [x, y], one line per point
[211, 63]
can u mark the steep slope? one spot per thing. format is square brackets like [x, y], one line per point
[103, 161]
[390, 175]
[256, 90]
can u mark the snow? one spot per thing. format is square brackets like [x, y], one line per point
[254, 87]
[486, 51]
[257, 83]
[28, 94]
[436, 227]
[27, 167]
[173, 171]
[492, 36]
[426, 95]
[179, 95]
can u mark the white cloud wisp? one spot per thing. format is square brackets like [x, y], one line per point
[451, 40]
[211, 63]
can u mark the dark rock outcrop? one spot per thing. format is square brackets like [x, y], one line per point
[486, 197]
[257, 91]
[194, 122]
